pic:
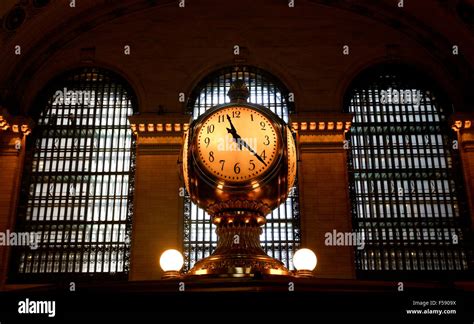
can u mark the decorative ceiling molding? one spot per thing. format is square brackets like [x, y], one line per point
[106, 11]
[150, 124]
[14, 124]
[321, 122]
[462, 121]
[20, 12]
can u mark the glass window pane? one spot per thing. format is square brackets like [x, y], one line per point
[79, 168]
[403, 181]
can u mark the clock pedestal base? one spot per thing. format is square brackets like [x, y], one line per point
[238, 252]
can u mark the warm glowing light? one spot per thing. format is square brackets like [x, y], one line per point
[348, 126]
[305, 259]
[171, 260]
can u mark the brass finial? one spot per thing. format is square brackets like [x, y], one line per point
[238, 91]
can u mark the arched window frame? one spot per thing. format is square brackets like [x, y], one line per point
[111, 255]
[390, 257]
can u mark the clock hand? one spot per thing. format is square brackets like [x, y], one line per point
[231, 125]
[233, 131]
[252, 151]
[241, 142]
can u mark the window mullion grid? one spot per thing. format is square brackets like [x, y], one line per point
[114, 155]
[89, 201]
[37, 201]
[375, 196]
[369, 175]
[432, 191]
[410, 167]
[101, 242]
[446, 193]
[124, 198]
[363, 175]
[413, 191]
[393, 194]
[31, 196]
[423, 194]
[92, 244]
[124, 112]
[388, 206]
[75, 220]
[99, 179]
[355, 169]
[196, 228]
[402, 171]
[94, 172]
[71, 173]
[427, 190]
[115, 222]
[82, 129]
[448, 198]
[115, 219]
[51, 202]
[56, 175]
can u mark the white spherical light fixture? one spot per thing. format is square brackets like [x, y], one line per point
[305, 262]
[171, 261]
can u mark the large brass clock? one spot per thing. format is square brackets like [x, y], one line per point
[238, 143]
[239, 162]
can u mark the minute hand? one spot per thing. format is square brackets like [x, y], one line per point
[243, 143]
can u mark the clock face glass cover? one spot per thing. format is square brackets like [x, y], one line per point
[237, 144]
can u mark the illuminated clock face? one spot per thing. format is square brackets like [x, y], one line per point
[237, 144]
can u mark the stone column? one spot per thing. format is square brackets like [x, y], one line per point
[157, 219]
[13, 132]
[324, 189]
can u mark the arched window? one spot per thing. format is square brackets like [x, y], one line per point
[281, 234]
[408, 203]
[77, 188]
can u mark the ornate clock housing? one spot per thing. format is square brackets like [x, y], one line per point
[239, 162]
[239, 153]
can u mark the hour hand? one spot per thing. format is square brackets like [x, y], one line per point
[233, 131]
[232, 128]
